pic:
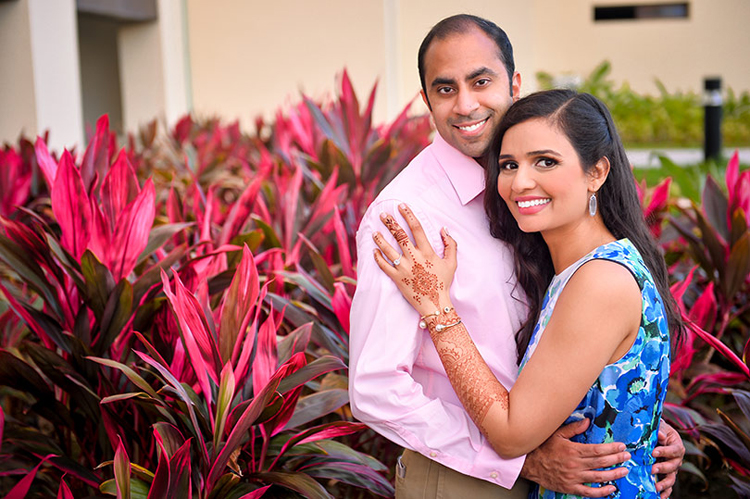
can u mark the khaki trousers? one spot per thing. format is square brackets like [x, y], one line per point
[424, 478]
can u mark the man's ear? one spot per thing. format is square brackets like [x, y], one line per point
[515, 86]
[598, 174]
[425, 100]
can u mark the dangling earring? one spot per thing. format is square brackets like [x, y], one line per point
[592, 205]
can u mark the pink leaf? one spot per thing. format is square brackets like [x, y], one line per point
[119, 188]
[343, 245]
[192, 327]
[721, 348]
[342, 304]
[237, 307]
[70, 204]
[266, 358]
[96, 158]
[703, 312]
[20, 490]
[659, 197]
[732, 176]
[45, 162]
[63, 492]
[255, 494]
[277, 423]
[131, 232]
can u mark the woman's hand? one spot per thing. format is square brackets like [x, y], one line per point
[419, 273]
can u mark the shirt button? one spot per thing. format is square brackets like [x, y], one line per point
[433, 454]
[493, 474]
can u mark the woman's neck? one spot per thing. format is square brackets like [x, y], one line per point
[568, 245]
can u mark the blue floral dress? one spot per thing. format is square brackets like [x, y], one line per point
[625, 402]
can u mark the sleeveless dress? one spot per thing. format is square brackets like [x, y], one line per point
[625, 402]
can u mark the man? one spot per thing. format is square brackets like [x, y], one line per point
[397, 383]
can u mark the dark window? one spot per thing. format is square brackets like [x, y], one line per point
[651, 11]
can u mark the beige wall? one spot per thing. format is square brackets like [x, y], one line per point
[679, 52]
[17, 77]
[251, 57]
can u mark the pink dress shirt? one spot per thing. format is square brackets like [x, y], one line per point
[397, 384]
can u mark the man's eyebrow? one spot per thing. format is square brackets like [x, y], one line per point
[442, 81]
[481, 71]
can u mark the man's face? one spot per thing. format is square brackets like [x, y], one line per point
[467, 90]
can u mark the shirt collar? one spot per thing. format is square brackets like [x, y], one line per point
[464, 173]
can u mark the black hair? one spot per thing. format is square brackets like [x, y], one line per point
[588, 125]
[460, 24]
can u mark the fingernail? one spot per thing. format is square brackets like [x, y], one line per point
[446, 231]
[627, 456]
[402, 206]
[384, 215]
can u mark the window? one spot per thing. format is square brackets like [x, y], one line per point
[650, 11]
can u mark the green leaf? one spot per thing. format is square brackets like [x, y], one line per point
[268, 233]
[123, 396]
[98, 283]
[160, 235]
[122, 472]
[716, 206]
[311, 371]
[738, 267]
[117, 314]
[138, 488]
[134, 378]
[317, 405]
[19, 375]
[739, 226]
[297, 482]
[223, 402]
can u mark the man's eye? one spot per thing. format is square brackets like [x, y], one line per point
[483, 82]
[444, 90]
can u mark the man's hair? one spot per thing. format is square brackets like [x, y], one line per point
[460, 24]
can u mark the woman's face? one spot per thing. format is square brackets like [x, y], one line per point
[541, 178]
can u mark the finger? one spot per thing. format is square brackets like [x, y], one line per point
[607, 460]
[666, 493]
[570, 430]
[665, 467]
[667, 482]
[586, 491]
[451, 248]
[384, 265]
[667, 452]
[402, 238]
[388, 250]
[420, 238]
[596, 451]
[601, 476]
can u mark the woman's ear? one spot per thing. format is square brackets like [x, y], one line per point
[598, 174]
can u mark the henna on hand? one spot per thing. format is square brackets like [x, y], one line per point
[402, 238]
[424, 283]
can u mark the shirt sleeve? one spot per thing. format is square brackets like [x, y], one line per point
[385, 342]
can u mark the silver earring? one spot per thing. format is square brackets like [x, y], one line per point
[592, 205]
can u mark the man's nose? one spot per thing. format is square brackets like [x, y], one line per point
[466, 102]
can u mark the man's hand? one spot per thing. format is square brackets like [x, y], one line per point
[564, 466]
[669, 454]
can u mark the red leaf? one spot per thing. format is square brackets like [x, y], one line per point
[255, 494]
[721, 348]
[195, 336]
[241, 210]
[63, 492]
[703, 312]
[70, 204]
[732, 176]
[343, 245]
[659, 197]
[277, 423]
[266, 359]
[237, 307]
[96, 158]
[342, 304]
[131, 232]
[20, 490]
[119, 188]
[45, 162]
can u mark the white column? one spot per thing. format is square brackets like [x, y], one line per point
[57, 77]
[175, 59]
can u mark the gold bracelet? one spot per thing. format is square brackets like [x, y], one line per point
[423, 320]
[441, 322]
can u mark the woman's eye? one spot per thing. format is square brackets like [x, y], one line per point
[508, 166]
[546, 162]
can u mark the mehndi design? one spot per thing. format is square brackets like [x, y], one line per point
[424, 283]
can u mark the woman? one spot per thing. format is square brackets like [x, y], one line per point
[596, 343]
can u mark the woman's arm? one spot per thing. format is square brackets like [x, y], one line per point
[595, 316]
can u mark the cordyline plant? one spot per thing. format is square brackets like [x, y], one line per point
[709, 395]
[213, 395]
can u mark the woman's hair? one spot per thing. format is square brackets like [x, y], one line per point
[588, 125]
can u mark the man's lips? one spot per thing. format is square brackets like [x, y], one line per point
[472, 127]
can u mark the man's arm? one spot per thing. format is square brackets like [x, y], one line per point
[562, 465]
[669, 454]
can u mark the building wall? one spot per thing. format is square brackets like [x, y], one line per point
[714, 40]
[249, 58]
[17, 77]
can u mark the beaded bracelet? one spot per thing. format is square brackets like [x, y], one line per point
[440, 321]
